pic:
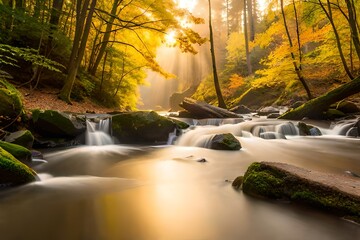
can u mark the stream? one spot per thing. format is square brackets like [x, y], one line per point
[169, 193]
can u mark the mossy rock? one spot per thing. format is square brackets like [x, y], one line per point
[54, 124]
[338, 194]
[225, 141]
[346, 107]
[23, 138]
[142, 127]
[13, 172]
[334, 113]
[11, 105]
[19, 152]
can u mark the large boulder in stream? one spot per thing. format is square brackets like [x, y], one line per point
[13, 172]
[333, 192]
[144, 127]
[225, 141]
[11, 106]
[54, 124]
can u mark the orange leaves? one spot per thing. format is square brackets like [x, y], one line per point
[236, 81]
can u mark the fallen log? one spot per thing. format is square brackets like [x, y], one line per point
[200, 110]
[316, 107]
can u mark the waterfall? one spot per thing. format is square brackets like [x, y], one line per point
[98, 131]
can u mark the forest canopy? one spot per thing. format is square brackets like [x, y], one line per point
[103, 49]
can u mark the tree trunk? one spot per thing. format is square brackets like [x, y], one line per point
[315, 108]
[246, 36]
[337, 37]
[251, 19]
[296, 68]
[353, 26]
[54, 22]
[106, 37]
[221, 102]
[81, 36]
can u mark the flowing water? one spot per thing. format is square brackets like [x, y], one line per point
[168, 193]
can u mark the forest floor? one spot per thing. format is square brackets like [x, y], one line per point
[47, 99]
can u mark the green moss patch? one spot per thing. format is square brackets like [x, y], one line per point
[19, 152]
[12, 171]
[225, 141]
[338, 194]
[11, 105]
[142, 127]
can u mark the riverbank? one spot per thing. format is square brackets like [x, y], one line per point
[47, 99]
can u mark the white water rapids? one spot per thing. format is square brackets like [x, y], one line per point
[164, 193]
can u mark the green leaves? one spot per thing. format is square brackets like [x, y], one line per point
[9, 55]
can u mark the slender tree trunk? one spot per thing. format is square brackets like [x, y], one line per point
[246, 36]
[81, 36]
[297, 70]
[314, 108]
[353, 26]
[298, 35]
[106, 38]
[251, 20]
[221, 102]
[328, 14]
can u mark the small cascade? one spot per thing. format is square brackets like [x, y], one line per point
[98, 131]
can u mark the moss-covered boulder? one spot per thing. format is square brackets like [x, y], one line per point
[346, 107]
[225, 141]
[143, 127]
[19, 152]
[11, 105]
[23, 138]
[335, 193]
[54, 124]
[14, 172]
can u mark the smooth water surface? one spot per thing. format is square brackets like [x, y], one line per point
[164, 193]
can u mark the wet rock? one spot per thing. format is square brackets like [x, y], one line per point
[237, 183]
[13, 172]
[287, 128]
[11, 106]
[19, 152]
[352, 132]
[201, 160]
[272, 135]
[142, 127]
[241, 109]
[273, 115]
[225, 141]
[23, 138]
[336, 193]
[268, 110]
[308, 130]
[54, 124]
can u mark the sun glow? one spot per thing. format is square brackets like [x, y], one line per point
[186, 4]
